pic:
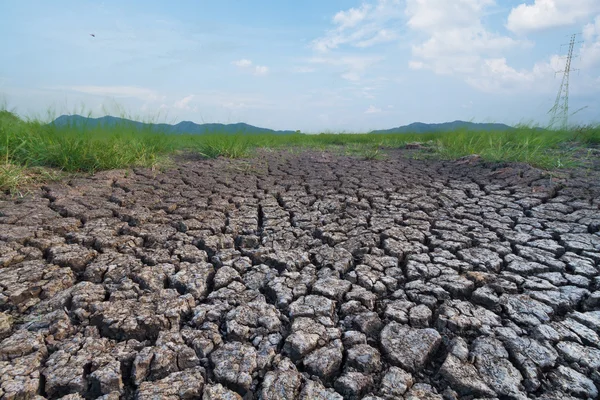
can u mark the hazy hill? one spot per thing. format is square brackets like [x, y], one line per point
[182, 127]
[420, 127]
[242, 128]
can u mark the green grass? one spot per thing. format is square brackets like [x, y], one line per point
[33, 151]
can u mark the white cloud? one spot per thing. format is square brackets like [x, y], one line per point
[590, 50]
[544, 14]
[382, 36]
[352, 66]
[350, 18]
[365, 26]
[261, 70]
[258, 70]
[454, 38]
[184, 104]
[243, 63]
[455, 42]
[117, 91]
[373, 110]
[495, 75]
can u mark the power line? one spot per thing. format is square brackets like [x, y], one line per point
[560, 111]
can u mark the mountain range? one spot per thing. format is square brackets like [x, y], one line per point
[242, 128]
[179, 128]
[420, 127]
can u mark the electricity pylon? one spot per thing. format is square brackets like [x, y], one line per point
[560, 110]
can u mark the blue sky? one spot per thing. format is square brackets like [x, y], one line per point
[312, 65]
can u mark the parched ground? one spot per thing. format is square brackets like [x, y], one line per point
[303, 276]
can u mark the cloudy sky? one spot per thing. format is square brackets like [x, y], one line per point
[314, 65]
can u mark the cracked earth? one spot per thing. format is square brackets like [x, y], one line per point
[303, 276]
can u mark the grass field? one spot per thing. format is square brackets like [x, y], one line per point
[33, 151]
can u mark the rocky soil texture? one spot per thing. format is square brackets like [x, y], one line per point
[303, 276]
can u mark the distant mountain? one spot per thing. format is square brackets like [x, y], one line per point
[419, 127]
[180, 128]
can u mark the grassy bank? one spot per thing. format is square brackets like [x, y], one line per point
[34, 151]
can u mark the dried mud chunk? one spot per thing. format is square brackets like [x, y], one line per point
[289, 286]
[584, 334]
[365, 297]
[247, 321]
[332, 287]
[143, 318]
[380, 263]
[420, 316]
[21, 343]
[312, 306]
[580, 265]
[62, 226]
[456, 285]
[395, 382]
[367, 322]
[306, 336]
[204, 339]
[224, 276]
[464, 317]
[20, 377]
[590, 319]
[186, 384]
[19, 234]
[56, 323]
[257, 277]
[111, 267]
[15, 253]
[190, 253]
[338, 259]
[70, 369]
[193, 278]
[234, 363]
[577, 242]
[526, 311]
[325, 362]
[366, 276]
[493, 365]
[29, 282]
[399, 248]
[353, 338]
[398, 310]
[73, 256]
[364, 358]
[282, 383]
[219, 392]
[83, 296]
[6, 322]
[487, 297]
[169, 355]
[530, 355]
[353, 385]
[461, 374]
[285, 260]
[316, 391]
[407, 347]
[482, 259]
[572, 382]
[106, 379]
[153, 278]
[585, 356]
[422, 391]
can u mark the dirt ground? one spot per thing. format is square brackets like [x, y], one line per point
[303, 276]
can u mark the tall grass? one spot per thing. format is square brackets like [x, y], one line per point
[28, 145]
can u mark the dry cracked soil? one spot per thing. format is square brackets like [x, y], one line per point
[303, 276]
